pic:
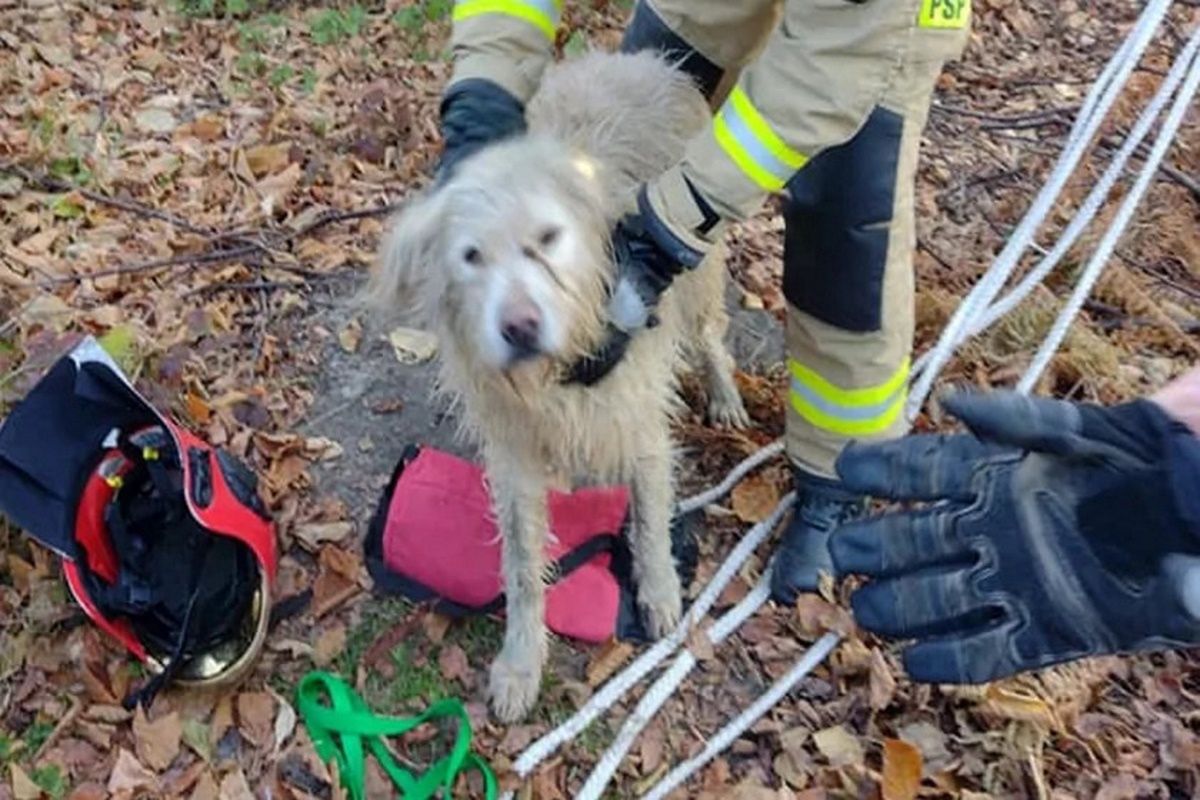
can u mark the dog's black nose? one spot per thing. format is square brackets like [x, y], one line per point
[522, 332]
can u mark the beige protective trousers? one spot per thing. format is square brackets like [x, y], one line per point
[849, 214]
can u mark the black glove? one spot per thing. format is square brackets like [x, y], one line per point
[475, 113]
[1060, 532]
[648, 258]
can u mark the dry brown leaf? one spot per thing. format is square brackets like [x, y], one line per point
[882, 682]
[839, 746]
[754, 498]
[285, 721]
[1016, 705]
[350, 337]
[435, 626]
[330, 643]
[901, 770]
[256, 717]
[23, 787]
[156, 743]
[128, 775]
[198, 410]
[314, 534]
[608, 660]
[206, 788]
[817, 616]
[701, 646]
[452, 661]
[268, 159]
[653, 745]
[412, 346]
[234, 786]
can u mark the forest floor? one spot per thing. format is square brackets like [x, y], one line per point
[204, 184]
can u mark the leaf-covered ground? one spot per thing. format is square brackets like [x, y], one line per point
[204, 184]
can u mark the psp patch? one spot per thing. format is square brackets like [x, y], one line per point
[945, 13]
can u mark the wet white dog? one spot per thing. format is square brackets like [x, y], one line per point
[508, 263]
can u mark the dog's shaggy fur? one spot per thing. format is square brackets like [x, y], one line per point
[508, 263]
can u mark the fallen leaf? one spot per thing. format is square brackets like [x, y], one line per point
[23, 787]
[156, 743]
[268, 159]
[754, 498]
[882, 682]
[412, 346]
[198, 410]
[128, 774]
[701, 646]
[435, 626]
[816, 616]
[350, 337]
[314, 534]
[608, 660]
[839, 746]
[330, 643]
[206, 788]
[452, 662]
[285, 722]
[195, 736]
[901, 770]
[256, 715]
[234, 786]
[155, 120]
[931, 741]
[653, 746]
[1016, 705]
[1118, 787]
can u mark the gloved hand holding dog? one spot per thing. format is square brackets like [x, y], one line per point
[1058, 531]
[474, 114]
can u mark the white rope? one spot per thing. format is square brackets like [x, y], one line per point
[619, 684]
[727, 735]
[1100, 99]
[1125, 213]
[1094, 200]
[663, 689]
[732, 479]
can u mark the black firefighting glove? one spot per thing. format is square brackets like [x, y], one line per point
[1058, 531]
[475, 113]
[648, 256]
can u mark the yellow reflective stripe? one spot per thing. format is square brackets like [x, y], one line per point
[848, 412]
[542, 14]
[765, 180]
[762, 130]
[750, 142]
[944, 13]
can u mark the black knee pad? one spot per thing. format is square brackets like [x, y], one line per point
[647, 31]
[837, 215]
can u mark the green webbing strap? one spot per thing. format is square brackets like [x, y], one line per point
[340, 728]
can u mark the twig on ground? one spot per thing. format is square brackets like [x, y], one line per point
[1032, 120]
[66, 722]
[215, 257]
[1113, 143]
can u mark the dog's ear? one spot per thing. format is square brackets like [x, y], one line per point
[406, 264]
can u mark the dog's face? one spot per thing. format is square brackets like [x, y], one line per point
[508, 257]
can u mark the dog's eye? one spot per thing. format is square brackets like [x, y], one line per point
[549, 237]
[473, 256]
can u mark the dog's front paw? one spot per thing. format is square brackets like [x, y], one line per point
[662, 606]
[728, 412]
[513, 687]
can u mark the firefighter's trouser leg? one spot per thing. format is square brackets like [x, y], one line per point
[711, 39]
[848, 279]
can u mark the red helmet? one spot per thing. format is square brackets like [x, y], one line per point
[165, 542]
